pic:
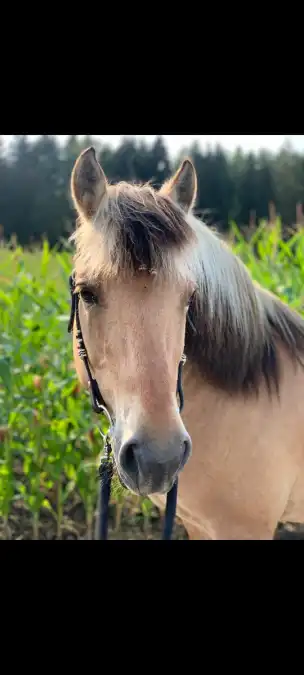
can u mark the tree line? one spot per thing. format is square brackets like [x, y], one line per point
[35, 178]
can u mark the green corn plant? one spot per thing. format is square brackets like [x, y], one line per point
[87, 487]
[7, 483]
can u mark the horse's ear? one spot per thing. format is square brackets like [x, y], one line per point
[88, 184]
[182, 188]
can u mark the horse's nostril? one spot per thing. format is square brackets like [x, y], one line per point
[128, 458]
[144, 463]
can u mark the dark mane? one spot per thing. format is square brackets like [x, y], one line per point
[227, 363]
[139, 228]
[151, 226]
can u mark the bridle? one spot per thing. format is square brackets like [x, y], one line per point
[99, 406]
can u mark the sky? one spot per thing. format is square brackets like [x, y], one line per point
[175, 143]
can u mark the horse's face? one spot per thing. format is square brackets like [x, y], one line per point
[133, 327]
[134, 334]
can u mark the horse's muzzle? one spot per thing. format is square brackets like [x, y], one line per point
[146, 467]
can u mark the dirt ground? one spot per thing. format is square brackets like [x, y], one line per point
[128, 524]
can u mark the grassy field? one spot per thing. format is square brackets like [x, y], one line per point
[49, 441]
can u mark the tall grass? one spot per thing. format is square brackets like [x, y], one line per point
[49, 441]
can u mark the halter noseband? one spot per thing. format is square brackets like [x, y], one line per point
[99, 407]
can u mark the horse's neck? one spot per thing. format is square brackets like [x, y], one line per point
[200, 396]
[205, 400]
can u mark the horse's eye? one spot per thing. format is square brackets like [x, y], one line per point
[88, 297]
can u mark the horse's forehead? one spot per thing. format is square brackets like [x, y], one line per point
[146, 284]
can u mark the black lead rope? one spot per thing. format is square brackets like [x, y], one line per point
[172, 495]
[106, 466]
[106, 474]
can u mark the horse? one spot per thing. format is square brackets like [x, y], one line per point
[156, 283]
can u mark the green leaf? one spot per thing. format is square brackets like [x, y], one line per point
[6, 298]
[5, 372]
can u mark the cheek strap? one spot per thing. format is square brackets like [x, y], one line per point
[97, 401]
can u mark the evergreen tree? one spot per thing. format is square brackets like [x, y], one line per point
[35, 182]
